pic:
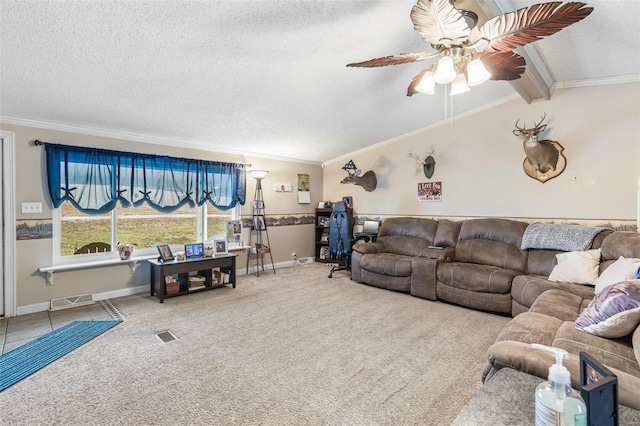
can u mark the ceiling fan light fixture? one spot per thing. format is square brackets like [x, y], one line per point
[459, 85]
[427, 85]
[477, 73]
[445, 72]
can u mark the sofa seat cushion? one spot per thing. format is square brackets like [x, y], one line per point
[531, 327]
[394, 265]
[616, 353]
[560, 304]
[476, 277]
[525, 289]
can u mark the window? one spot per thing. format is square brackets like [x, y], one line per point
[142, 226]
[102, 197]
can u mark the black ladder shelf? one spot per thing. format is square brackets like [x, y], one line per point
[259, 235]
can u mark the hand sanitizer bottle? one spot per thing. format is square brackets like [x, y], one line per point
[557, 404]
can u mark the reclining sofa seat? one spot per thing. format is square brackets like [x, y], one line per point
[551, 321]
[487, 259]
[401, 258]
[526, 288]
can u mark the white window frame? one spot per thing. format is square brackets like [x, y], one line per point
[58, 259]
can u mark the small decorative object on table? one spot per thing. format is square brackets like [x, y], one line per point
[209, 251]
[125, 250]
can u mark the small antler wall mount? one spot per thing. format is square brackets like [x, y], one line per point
[368, 181]
[544, 160]
[427, 164]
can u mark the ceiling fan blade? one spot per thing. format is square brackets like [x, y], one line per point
[503, 65]
[411, 90]
[403, 58]
[513, 29]
[438, 22]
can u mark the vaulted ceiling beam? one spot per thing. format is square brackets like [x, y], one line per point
[536, 82]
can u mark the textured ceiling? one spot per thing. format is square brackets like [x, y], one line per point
[257, 77]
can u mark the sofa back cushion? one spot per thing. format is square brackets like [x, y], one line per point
[494, 242]
[407, 235]
[619, 243]
[542, 261]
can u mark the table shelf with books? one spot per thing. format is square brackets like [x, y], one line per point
[179, 277]
[322, 249]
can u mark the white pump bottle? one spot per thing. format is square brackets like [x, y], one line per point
[557, 404]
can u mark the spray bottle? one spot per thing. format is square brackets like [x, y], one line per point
[557, 404]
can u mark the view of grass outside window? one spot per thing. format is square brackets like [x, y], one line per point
[143, 226]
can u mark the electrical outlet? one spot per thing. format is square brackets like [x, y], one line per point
[294, 256]
[31, 207]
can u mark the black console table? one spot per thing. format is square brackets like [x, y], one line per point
[203, 266]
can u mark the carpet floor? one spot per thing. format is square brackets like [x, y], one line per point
[291, 348]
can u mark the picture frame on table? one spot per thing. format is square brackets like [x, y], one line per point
[165, 253]
[599, 389]
[220, 246]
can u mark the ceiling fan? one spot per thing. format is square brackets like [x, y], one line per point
[470, 55]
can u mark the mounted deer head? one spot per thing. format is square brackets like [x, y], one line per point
[544, 159]
[368, 181]
[427, 165]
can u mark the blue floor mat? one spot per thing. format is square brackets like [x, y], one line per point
[31, 357]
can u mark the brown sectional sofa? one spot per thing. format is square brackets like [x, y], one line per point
[482, 266]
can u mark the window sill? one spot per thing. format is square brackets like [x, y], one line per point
[132, 263]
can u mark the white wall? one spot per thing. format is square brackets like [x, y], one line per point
[479, 162]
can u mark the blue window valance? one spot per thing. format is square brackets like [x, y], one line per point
[94, 180]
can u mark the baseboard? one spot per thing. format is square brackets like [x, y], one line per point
[113, 294]
[44, 306]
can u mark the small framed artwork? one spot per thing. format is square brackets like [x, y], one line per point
[258, 223]
[348, 201]
[321, 205]
[233, 230]
[220, 246]
[323, 221]
[599, 389]
[165, 252]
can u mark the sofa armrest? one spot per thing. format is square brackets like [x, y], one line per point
[368, 248]
[424, 278]
[522, 357]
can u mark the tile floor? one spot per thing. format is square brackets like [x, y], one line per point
[17, 331]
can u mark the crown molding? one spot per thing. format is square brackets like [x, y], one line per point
[622, 79]
[152, 140]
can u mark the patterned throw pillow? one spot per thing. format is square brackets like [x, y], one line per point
[613, 313]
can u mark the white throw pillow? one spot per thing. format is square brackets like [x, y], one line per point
[579, 267]
[621, 270]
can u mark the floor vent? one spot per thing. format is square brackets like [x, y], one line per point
[112, 310]
[166, 336]
[71, 302]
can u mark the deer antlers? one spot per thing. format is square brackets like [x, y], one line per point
[420, 163]
[535, 126]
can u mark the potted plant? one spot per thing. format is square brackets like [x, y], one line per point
[208, 250]
[125, 250]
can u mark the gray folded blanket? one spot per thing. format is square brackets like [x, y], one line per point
[562, 236]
